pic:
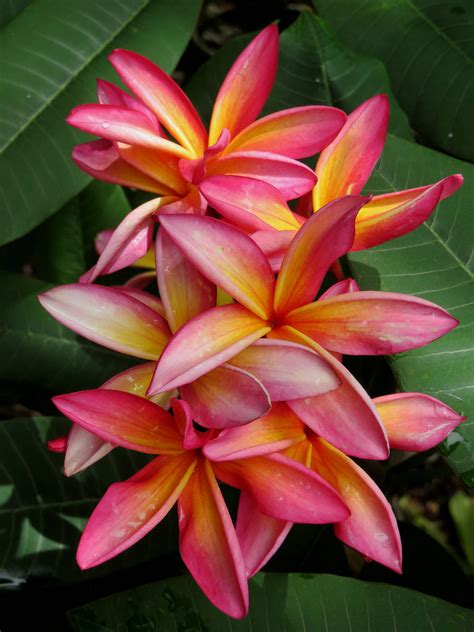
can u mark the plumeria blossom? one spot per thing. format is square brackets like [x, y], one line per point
[343, 168]
[183, 473]
[351, 323]
[155, 140]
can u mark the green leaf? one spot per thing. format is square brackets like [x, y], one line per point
[9, 9]
[65, 242]
[461, 508]
[43, 513]
[313, 69]
[277, 602]
[427, 48]
[39, 351]
[53, 52]
[433, 262]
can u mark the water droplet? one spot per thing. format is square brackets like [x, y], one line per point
[381, 537]
[450, 135]
[105, 125]
[280, 499]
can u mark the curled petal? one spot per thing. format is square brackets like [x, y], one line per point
[192, 439]
[325, 237]
[83, 450]
[372, 323]
[110, 94]
[346, 286]
[108, 317]
[129, 510]
[346, 416]
[144, 297]
[394, 214]
[274, 244]
[290, 177]
[277, 430]
[284, 489]
[101, 160]
[163, 96]
[192, 203]
[249, 203]
[259, 536]
[206, 342]
[58, 445]
[344, 167]
[140, 281]
[414, 421]
[208, 543]
[123, 419]
[226, 397]
[227, 257]
[296, 133]
[246, 86]
[371, 528]
[184, 291]
[287, 370]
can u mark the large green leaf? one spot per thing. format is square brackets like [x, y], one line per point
[42, 513]
[38, 351]
[313, 69]
[10, 9]
[52, 53]
[277, 602]
[435, 263]
[428, 50]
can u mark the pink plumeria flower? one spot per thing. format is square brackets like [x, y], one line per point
[343, 168]
[413, 421]
[184, 474]
[155, 140]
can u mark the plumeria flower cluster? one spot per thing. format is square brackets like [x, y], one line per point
[243, 380]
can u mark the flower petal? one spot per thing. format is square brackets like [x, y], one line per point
[372, 323]
[226, 397]
[123, 419]
[227, 257]
[290, 177]
[108, 317]
[296, 133]
[344, 167]
[324, 238]
[275, 431]
[371, 528]
[394, 214]
[246, 86]
[346, 286]
[100, 159]
[274, 244]
[184, 291]
[414, 421]
[137, 381]
[248, 203]
[192, 439]
[206, 342]
[346, 416]
[284, 489]
[163, 96]
[110, 94]
[287, 370]
[208, 543]
[83, 449]
[129, 510]
[144, 297]
[259, 536]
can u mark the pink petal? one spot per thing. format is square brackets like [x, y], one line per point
[274, 245]
[346, 286]
[140, 281]
[110, 94]
[344, 167]
[192, 203]
[248, 203]
[394, 214]
[287, 370]
[137, 381]
[284, 489]
[414, 421]
[371, 528]
[144, 297]
[108, 317]
[277, 430]
[324, 238]
[123, 419]
[100, 159]
[372, 323]
[163, 96]
[246, 86]
[289, 176]
[58, 445]
[184, 291]
[296, 133]
[83, 450]
[206, 342]
[226, 397]
[192, 439]
[227, 257]
[208, 543]
[359, 430]
[259, 536]
[130, 510]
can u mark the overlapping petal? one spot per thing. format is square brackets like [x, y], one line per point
[110, 94]
[108, 317]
